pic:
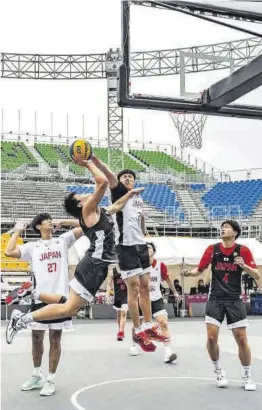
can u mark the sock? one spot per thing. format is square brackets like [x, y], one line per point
[217, 364]
[27, 318]
[51, 377]
[37, 371]
[35, 294]
[138, 329]
[247, 371]
[148, 325]
[167, 344]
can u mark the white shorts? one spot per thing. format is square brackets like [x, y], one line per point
[67, 324]
[80, 290]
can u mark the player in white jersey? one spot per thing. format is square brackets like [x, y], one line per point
[159, 273]
[133, 254]
[49, 263]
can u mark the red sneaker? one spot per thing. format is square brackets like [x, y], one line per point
[120, 336]
[143, 341]
[155, 334]
[19, 293]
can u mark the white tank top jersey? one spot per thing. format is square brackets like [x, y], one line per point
[132, 214]
[49, 262]
[155, 281]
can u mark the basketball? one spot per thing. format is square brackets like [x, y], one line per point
[80, 148]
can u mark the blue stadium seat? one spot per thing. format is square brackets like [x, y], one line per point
[232, 197]
[86, 190]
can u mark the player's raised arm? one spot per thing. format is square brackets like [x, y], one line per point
[12, 250]
[112, 179]
[120, 203]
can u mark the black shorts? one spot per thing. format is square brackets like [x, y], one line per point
[38, 306]
[234, 310]
[120, 304]
[133, 260]
[157, 307]
[90, 273]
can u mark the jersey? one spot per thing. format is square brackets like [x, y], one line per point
[158, 272]
[101, 237]
[119, 285]
[129, 219]
[226, 275]
[49, 262]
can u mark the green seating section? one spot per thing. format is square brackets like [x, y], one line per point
[15, 154]
[129, 162]
[160, 160]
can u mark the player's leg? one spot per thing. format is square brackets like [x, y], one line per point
[144, 297]
[54, 357]
[160, 315]
[122, 322]
[237, 322]
[214, 318]
[37, 379]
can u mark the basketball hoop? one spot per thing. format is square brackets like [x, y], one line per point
[190, 128]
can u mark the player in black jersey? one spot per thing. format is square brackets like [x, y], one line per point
[133, 255]
[228, 260]
[116, 283]
[98, 226]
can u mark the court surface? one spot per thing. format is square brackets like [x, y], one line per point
[96, 372]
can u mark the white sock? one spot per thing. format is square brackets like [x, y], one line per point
[37, 371]
[167, 344]
[27, 318]
[247, 371]
[217, 365]
[148, 325]
[51, 377]
[35, 294]
[138, 329]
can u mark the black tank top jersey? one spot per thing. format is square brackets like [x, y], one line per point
[226, 275]
[101, 237]
[119, 285]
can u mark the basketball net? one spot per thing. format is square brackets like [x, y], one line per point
[190, 128]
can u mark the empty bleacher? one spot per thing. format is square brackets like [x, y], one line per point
[232, 197]
[13, 155]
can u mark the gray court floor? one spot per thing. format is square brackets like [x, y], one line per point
[96, 373]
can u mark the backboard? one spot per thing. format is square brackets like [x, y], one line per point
[239, 62]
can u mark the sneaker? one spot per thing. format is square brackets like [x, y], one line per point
[221, 378]
[48, 389]
[169, 357]
[133, 351]
[249, 385]
[155, 334]
[14, 325]
[120, 336]
[143, 341]
[19, 293]
[36, 382]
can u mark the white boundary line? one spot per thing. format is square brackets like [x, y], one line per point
[92, 386]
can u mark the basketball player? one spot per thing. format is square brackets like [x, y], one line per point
[98, 225]
[158, 273]
[133, 254]
[49, 261]
[116, 283]
[228, 260]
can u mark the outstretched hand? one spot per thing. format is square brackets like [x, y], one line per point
[80, 162]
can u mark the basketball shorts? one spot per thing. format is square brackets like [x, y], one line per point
[120, 303]
[133, 260]
[56, 324]
[90, 273]
[234, 311]
[157, 307]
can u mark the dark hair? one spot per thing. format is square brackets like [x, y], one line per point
[38, 219]
[234, 224]
[152, 245]
[71, 205]
[126, 171]
[176, 281]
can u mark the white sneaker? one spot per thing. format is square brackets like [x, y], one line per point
[133, 351]
[36, 382]
[249, 385]
[169, 357]
[221, 378]
[48, 389]
[14, 325]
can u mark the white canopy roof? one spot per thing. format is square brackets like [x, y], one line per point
[255, 6]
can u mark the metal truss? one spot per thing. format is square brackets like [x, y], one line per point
[143, 64]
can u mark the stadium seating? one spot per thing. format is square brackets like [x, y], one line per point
[160, 160]
[86, 190]
[11, 264]
[13, 155]
[198, 187]
[129, 162]
[243, 195]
